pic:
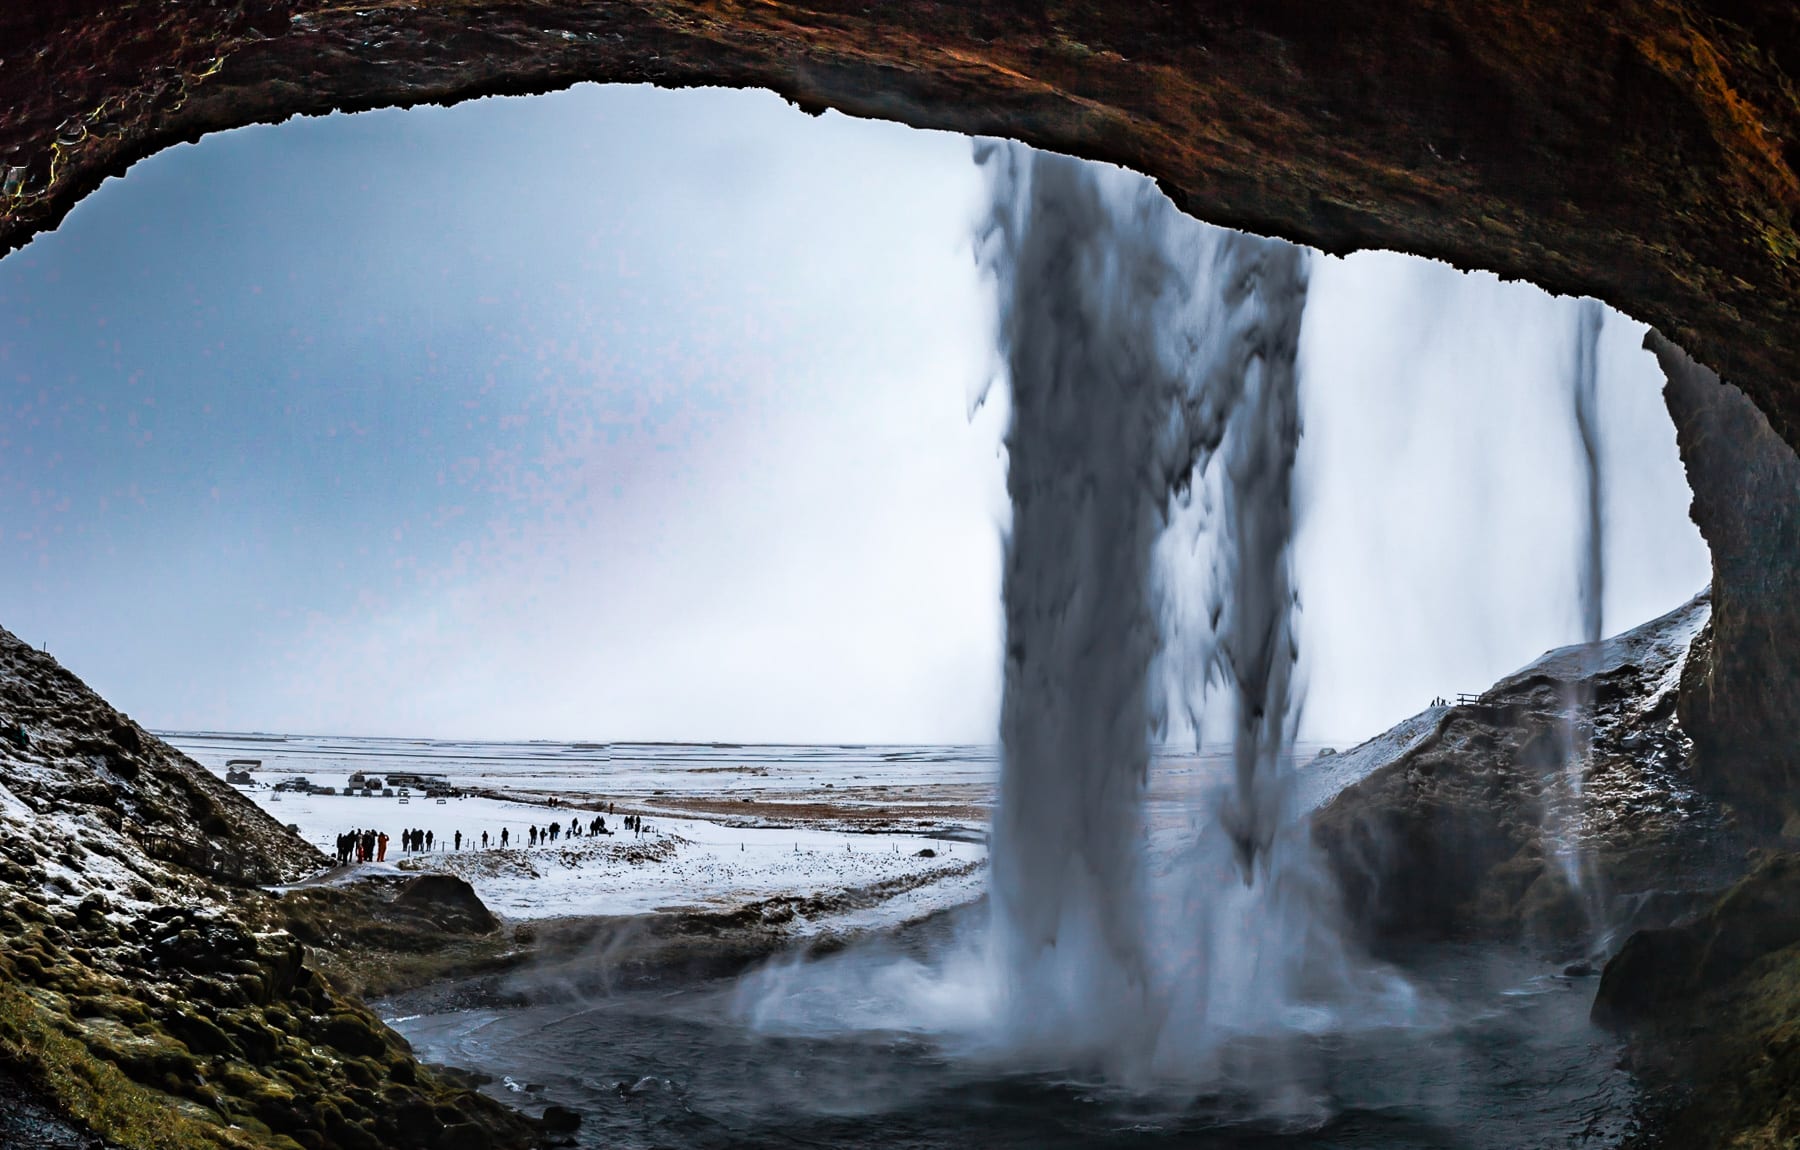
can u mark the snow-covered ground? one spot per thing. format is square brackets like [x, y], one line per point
[692, 864]
[677, 863]
[845, 878]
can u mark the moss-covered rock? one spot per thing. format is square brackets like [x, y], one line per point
[1661, 970]
[173, 1010]
[1712, 1007]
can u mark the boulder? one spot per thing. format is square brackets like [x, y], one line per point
[1660, 971]
[560, 1120]
[449, 902]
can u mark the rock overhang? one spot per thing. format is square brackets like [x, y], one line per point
[1644, 153]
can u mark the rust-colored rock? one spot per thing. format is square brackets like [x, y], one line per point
[1643, 152]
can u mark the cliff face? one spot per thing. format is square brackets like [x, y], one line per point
[1741, 693]
[150, 990]
[73, 769]
[1644, 152]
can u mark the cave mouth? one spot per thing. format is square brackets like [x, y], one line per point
[1438, 550]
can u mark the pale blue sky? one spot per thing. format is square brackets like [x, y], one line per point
[637, 414]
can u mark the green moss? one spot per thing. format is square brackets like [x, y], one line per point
[356, 1033]
[104, 1005]
[93, 1090]
[201, 1034]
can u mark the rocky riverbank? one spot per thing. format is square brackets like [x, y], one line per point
[179, 970]
[153, 994]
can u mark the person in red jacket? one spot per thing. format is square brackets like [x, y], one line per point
[381, 847]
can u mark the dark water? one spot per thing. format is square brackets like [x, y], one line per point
[1514, 1064]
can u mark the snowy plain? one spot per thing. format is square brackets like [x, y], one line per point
[849, 878]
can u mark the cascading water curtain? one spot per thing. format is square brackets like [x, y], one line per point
[1565, 812]
[1154, 381]
[1146, 354]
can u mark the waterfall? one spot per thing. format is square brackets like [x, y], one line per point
[1149, 358]
[1099, 375]
[1151, 362]
[1564, 812]
[1590, 316]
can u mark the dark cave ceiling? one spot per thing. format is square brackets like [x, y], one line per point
[1643, 152]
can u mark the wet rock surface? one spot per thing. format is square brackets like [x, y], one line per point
[1741, 691]
[1713, 1008]
[1690, 898]
[1661, 970]
[149, 991]
[1479, 830]
[1641, 152]
[28, 1117]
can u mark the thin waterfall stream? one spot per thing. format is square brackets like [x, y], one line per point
[1590, 569]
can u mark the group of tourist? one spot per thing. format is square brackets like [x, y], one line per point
[365, 846]
[417, 840]
[362, 845]
[595, 826]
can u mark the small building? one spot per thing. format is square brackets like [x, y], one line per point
[414, 780]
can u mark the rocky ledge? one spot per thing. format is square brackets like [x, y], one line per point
[152, 992]
[1557, 808]
[1712, 1006]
